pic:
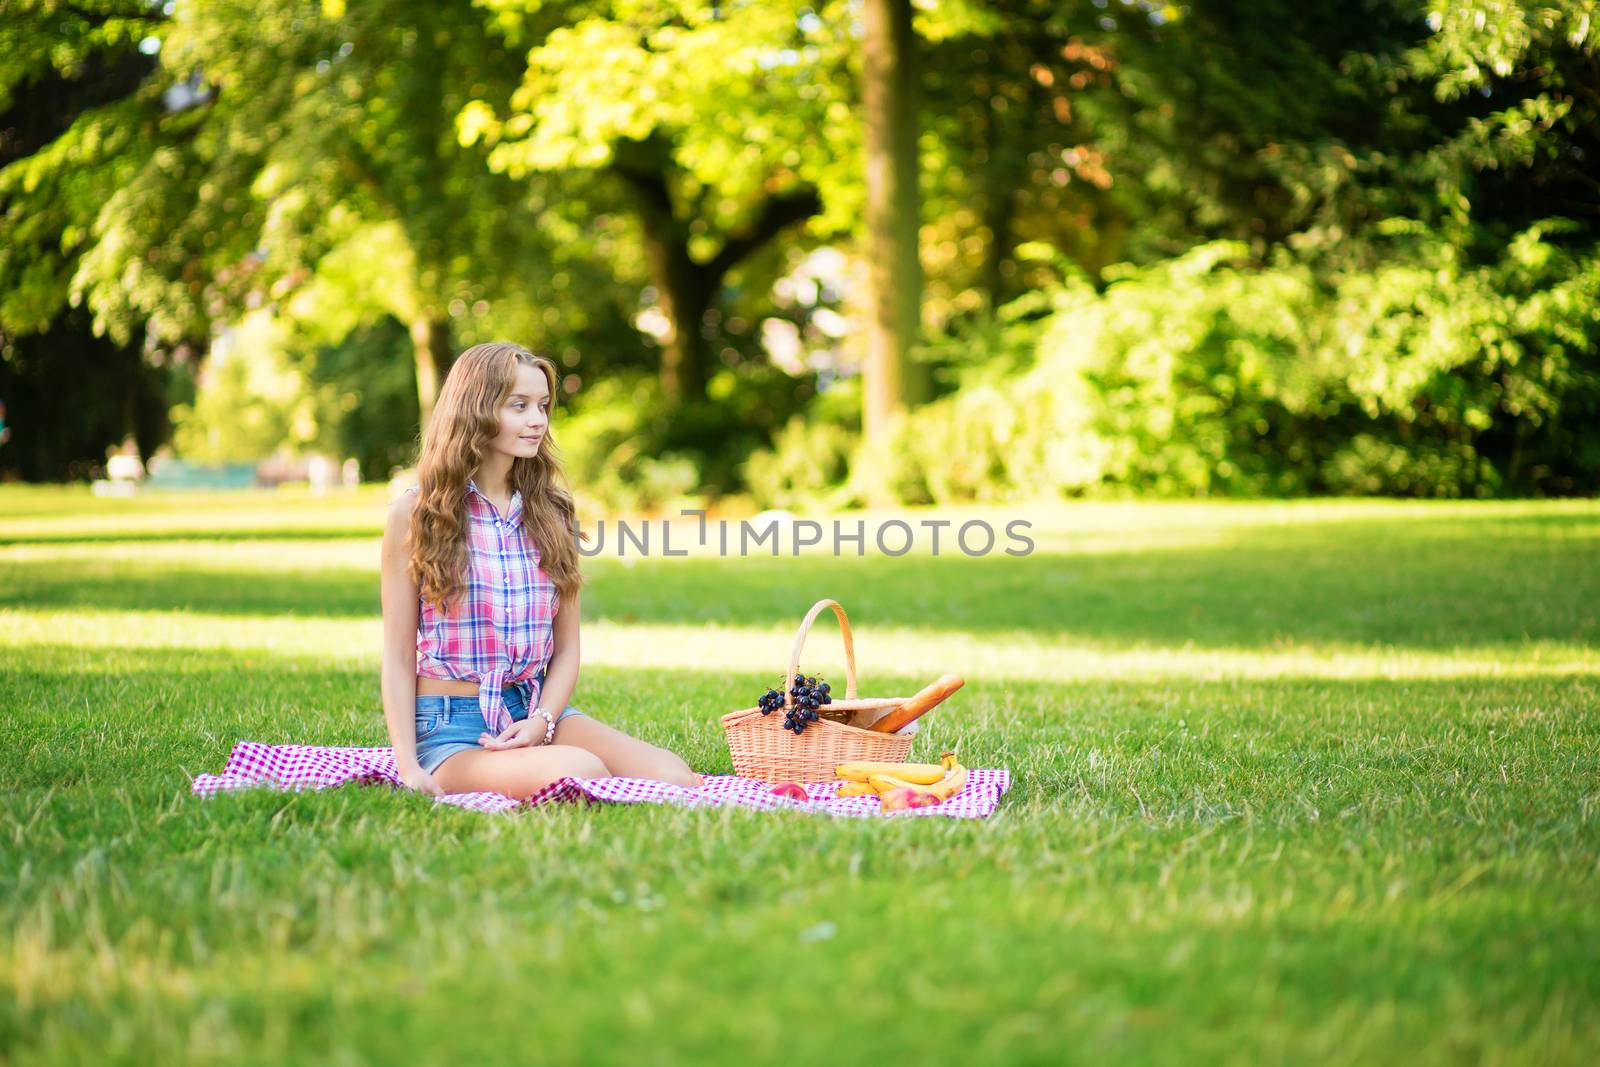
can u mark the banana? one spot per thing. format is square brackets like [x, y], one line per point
[943, 789]
[856, 789]
[954, 780]
[921, 773]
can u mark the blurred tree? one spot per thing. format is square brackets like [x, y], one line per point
[328, 122]
[1250, 121]
[718, 126]
[268, 136]
[1503, 102]
[1016, 157]
[1453, 141]
[438, 166]
[76, 118]
[1410, 306]
[70, 396]
[69, 123]
[250, 399]
[366, 397]
[890, 82]
[1273, 122]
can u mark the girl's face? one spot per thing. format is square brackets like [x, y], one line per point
[525, 415]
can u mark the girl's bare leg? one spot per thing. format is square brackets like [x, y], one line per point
[624, 756]
[517, 772]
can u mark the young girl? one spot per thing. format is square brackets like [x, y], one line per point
[480, 599]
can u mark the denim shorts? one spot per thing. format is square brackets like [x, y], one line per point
[450, 724]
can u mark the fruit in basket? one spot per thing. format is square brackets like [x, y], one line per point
[797, 718]
[806, 695]
[792, 790]
[920, 773]
[770, 700]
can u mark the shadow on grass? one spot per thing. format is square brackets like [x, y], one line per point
[344, 592]
[195, 533]
[157, 718]
[1453, 583]
[229, 517]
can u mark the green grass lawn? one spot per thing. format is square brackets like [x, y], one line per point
[1307, 782]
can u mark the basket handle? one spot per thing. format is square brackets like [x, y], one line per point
[799, 643]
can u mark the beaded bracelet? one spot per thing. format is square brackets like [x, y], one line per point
[550, 728]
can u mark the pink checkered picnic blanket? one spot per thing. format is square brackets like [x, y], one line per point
[294, 767]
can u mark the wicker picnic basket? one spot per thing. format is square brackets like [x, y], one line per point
[762, 749]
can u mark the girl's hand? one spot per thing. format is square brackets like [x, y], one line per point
[416, 778]
[524, 734]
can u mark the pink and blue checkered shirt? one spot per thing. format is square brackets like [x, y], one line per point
[500, 630]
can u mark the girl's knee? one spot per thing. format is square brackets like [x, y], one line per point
[669, 767]
[581, 763]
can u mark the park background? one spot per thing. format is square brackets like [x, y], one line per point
[815, 255]
[1304, 771]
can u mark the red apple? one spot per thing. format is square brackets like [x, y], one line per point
[902, 799]
[896, 799]
[792, 790]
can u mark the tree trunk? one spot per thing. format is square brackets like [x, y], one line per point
[893, 212]
[430, 345]
[999, 208]
[685, 292]
[1111, 236]
[687, 288]
[999, 182]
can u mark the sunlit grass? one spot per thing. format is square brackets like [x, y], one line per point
[1309, 781]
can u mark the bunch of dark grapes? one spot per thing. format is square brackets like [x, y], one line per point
[808, 695]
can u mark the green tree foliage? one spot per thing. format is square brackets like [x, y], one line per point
[332, 121]
[1206, 247]
[271, 136]
[74, 109]
[1214, 373]
[75, 119]
[367, 397]
[1014, 89]
[717, 127]
[1426, 376]
[1411, 307]
[267, 387]
[71, 395]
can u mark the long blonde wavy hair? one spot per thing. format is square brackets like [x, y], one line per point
[466, 418]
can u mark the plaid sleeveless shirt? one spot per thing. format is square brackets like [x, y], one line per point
[500, 629]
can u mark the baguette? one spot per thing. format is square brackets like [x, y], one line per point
[923, 702]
